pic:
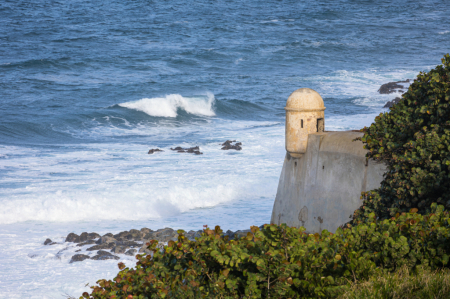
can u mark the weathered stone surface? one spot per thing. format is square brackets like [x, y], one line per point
[131, 252]
[145, 230]
[104, 255]
[102, 246]
[119, 249]
[88, 242]
[105, 239]
[392, 103]
[78, 258]
[47, 242]
[108, 235]
[154, 150]
[73, 238]
[322, 189]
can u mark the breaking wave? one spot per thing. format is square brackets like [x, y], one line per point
[169, 105]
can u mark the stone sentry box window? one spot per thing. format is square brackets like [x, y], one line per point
[320, 125]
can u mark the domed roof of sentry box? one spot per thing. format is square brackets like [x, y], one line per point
[305, 99]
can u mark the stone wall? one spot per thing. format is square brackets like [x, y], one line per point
[322, 189]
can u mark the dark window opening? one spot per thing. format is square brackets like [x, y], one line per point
[320, 125]
[302, 123]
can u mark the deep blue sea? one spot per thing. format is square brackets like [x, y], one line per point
[88, 87]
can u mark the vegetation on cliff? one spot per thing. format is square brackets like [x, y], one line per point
[413, 139]
[284, 262]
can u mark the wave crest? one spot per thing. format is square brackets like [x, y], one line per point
[168, 106]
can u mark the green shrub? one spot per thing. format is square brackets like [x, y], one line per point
[413, 139]
[421, 284]
[283, 262]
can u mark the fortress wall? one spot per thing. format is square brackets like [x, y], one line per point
[321, 189]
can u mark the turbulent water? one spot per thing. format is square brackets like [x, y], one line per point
[88, 87]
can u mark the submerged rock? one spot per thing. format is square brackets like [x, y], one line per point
[154, 150]
[119, 249]
[102, 246]
[88, 242]
[104, 255]
[49, 242]
[392, 103]
[227, 145]
[191, 150]
[131, 252]
[392, 87]
[79, 258]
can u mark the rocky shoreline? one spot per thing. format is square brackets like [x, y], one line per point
[227, 145]
[394, 87]
[109, 246]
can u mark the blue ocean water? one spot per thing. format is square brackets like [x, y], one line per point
[88, 87]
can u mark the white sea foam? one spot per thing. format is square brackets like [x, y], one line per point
[168, 105]
[444, 32]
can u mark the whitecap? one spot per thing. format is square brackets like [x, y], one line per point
[168, 105]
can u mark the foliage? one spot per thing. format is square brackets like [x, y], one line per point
[413, 139]
[281, 261]
[420, 284]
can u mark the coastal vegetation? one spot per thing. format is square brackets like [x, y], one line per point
[396, 246]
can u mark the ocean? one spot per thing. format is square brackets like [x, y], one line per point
[87, 88]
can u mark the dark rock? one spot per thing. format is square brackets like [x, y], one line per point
[131, 252]
[144, 249]
[102, 246]
[48, 241]
[85, 236]
[392, 87]
[119, 249]
[105, 239]
[145, 230]
[79, 258]
[227, 145]
[154, 150]
[73, 238]
[78, 250]
[131, 235]
[228, 142]
[392, 103]
[108, 235]
[93, 236]
[130, 244]
[191, 150]
[88, 242]
[104, 255]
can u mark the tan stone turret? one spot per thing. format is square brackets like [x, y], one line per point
[304, 115]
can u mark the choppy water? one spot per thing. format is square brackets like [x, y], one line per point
[87, 88]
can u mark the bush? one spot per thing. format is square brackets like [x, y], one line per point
[413, 139]
[422, 284]
[283, 262]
